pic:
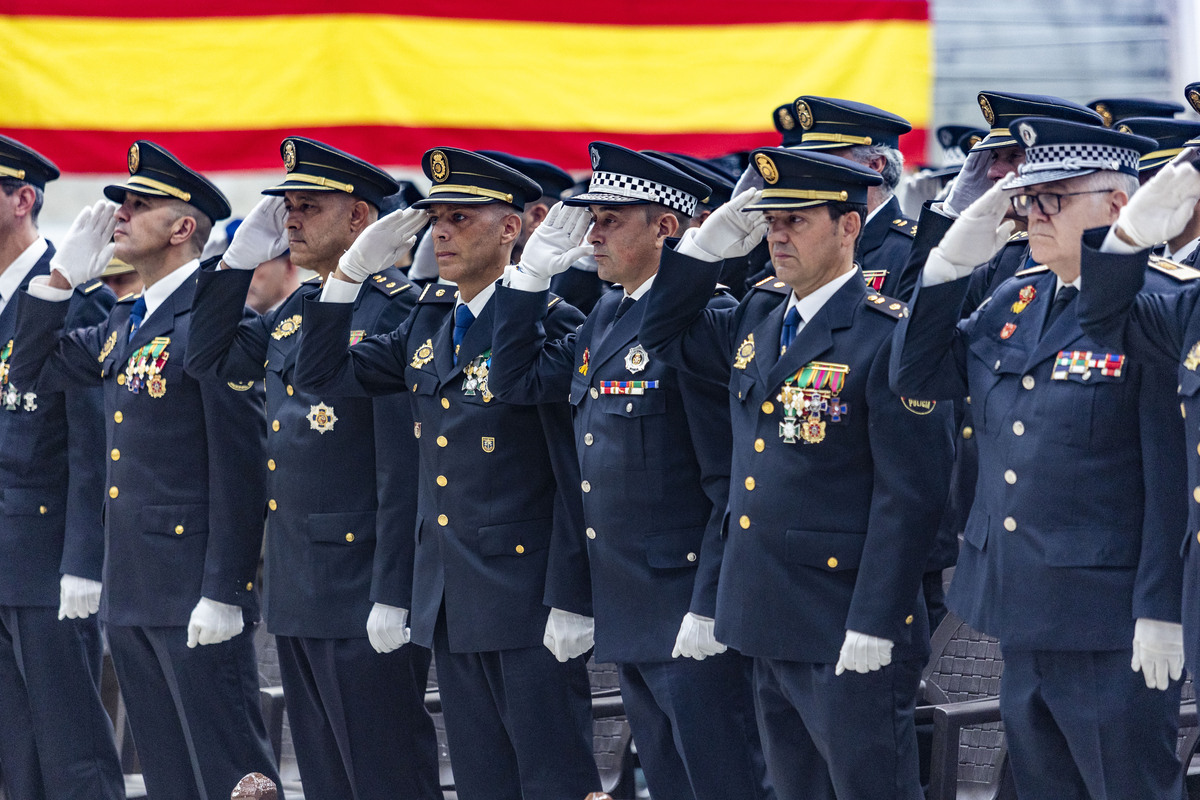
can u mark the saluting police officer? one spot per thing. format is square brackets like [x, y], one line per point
[500, 563]
[342, 488]
[183, 508]
[1070, 552]
[837, 484]
[56, 740]
[653, 450]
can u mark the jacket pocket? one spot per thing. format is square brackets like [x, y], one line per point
[673, 549]
[832, 551]
[515, 538]
[344, 527]
[175, 521]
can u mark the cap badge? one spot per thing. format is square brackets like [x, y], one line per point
[986, 108]
[595, 156]
[766, 168]
[1027, 133]
[1123, 128]
[1193, 97]
[973, 140]
[636, 359]
[786, 120]
[805, 114]
[439, 166]
[289, 155]
[1105, 115]
[135, 158]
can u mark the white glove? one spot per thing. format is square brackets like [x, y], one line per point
[1158, 650]
[261, 236]
[971, 182]
[696, 639]
[557, 243]
[382, 244]
[78, 597]
[729, 232]
[568, 635]
[976, 236]
[85, 251]
[863, 653]
[212, 622]
[1162, 208]
[387, 627]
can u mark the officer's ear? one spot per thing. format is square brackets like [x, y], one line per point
[362, 214]
[666, 225]
[534, 215]
[850, 226]
[510, 225]
[182, 229]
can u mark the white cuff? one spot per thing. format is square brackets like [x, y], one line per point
[938, 270]
[40, 288]
[687, 246]
[524, 282]
[1115, 244]
[337, 290]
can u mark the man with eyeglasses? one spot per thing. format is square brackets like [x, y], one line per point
[1069, 556]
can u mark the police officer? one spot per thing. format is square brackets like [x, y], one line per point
[183, 507]
[339, 543]
[56, 740]
[1069, 554]
[654, 451]
[499, 564]
[830, 517]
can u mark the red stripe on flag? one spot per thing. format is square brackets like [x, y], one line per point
[613, 12]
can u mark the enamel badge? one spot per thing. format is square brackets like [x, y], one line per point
[636, 359]
[1007, 330]
[1024, 298]
[321, 417]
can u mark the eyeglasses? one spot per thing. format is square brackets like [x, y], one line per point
[1047, 203]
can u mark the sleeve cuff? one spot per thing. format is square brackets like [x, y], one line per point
[524, 282]
[1114, 244]
[938, 270]
[339, 291]
[40, 288]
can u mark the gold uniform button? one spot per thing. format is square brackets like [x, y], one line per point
[1010, 524]
[290, 390]
[594, 393]
[349, 537]
[1196, 494]
[441, 440]
[691, 556]
[744, 522]
[121, 379]
[520, 549]
[586, 486]
[445, 402]
[768, 407]
[908, 620]
[1018, 428]
[275, 425]
[441, 480]
[42, 509]
[588, 439]
[759, 445]
[832, 562]
[115, 454]
[271, 504]
[1182, 411]
[749, 484]
[1010, 477]
[113, 492]
[117, 417]
[968, 432]
[1028, 382]
[271, 464]
[443, 520]
[591, 533]
[178, 530]
[249, 585]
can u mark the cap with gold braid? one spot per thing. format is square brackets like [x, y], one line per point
[1114, 110]
[1000, 109]
[464, 177]
[796, 178]
[25, 164]
[784, 118]
[827, 123]
[314, 166]
[1171, 135]
[155, 172]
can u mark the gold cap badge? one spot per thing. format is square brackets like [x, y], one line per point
[289, 155]
[766, 168]
[439, 166]
[1193, 97]
[786, 120]
[986, 108]
[805, 114]
[1105, 115]
[135, 158]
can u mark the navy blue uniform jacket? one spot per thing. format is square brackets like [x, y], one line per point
[340, 530]
[499, 527]
[883, 251]
[822, 537]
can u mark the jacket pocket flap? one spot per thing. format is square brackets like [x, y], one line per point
[833, 551]
[28, 502]
[186, 520]
[342, 527]
[673, 549]
[515, 538]
[654, 401]
[1089, 547]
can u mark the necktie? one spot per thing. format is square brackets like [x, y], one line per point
[136, 316]
[462, 320]
[791, 323]
[624, 306]
[1065, 295]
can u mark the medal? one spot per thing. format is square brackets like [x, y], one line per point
[1008, 330]
[356, 337]
[321, 418]
[1024, 298]
[475, 376]
[636, 359]
[808, 395]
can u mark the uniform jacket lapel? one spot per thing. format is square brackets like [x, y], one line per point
[8, 317]
[1061, 334]
[622, 332]
[162, 321]
[817, 335]
[875, 232]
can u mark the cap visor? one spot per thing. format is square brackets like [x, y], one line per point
[768, 204]
[1046, 176]
[297, 186]
[117, 192]
[602, 199]
[454, 198]
[994, 141]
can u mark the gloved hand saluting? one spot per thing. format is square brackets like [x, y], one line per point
[387, 627]
[729, 232]
[973, 239]
[382, 244]
[555, 245]
[1162, 208]
[86, 249]
[261, 236]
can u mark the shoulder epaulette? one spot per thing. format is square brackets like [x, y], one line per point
[390, 281]
[1037, 269]
[905, 225]
[1174, 269]
[888, 306]
[90, 286]
[129, 298]
[438, 293]
[1019, 236]
[554, 300]
[772, 284]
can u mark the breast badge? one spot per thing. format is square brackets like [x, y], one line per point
[745, 353]
[587, 356]
[1008, 330]
[423, 355]
[636, 359]
[321, 417]
[488, 443]
[287, 327]
[109, 344]
[1193, 357]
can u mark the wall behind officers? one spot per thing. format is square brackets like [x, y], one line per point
[341, 486]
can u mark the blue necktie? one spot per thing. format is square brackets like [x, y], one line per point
[462, 320]
[791, 323]
[136, 316]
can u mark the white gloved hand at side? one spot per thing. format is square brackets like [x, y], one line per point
[729, 232]
[78, 598]
[555, 245]
[86, 250]
[976, 236]
[696, 639]
[382, 244]
[568, 634]
[862, 653]
[387, 627]
[1161, 209]
[261, 236]
[213, 622]
[1158, 650]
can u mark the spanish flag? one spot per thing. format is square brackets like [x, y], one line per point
[221, 82]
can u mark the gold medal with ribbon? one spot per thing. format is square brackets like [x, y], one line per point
[476, 376]
[145, 366]
[808, 396]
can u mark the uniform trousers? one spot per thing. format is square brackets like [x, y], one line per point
[1082, 724]
[358, 719]
[848, 736]
[195, 713]
[56, 741]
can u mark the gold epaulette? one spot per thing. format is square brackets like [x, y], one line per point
[905, 225]
[772, 284]
[888, 306]
[1173, 269]
[438, 293]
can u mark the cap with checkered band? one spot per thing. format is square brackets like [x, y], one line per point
[623, 177]
[1000, 109]
[1056, 150]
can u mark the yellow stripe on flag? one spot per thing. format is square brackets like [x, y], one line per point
[274, 72]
